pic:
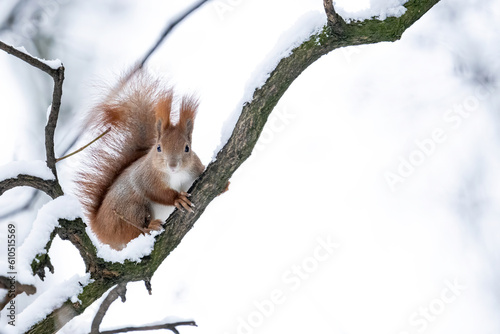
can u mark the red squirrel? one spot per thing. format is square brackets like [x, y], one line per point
[138, 172]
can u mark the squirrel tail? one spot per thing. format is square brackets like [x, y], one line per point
[128, 112]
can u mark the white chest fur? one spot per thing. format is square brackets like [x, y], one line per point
[180, 181]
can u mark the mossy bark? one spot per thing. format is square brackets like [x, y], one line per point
[239, 147]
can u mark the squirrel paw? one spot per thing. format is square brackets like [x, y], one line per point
[155, 225]
[183, 203]
[225, 189]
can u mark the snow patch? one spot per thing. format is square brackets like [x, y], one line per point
[377, 9]
[134, 251]
[63, 207]
[47, 302]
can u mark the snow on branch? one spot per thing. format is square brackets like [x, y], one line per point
[49, 300]
[47, 220]
[35, 174]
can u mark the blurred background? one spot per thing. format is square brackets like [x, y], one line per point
[370, 203]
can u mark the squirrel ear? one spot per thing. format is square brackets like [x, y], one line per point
[163, 108]
[158, 129]
[187, 114]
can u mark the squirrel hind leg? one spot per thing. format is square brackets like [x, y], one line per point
[149, 225]
[154, 225]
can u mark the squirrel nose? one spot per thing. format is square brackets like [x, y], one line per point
[173, 165]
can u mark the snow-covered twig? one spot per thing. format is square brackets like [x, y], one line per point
[56, 70]
[34, 174]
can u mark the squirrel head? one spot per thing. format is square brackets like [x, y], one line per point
[173, 151]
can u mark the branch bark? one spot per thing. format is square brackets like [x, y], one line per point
[334, 20]
[238, 148]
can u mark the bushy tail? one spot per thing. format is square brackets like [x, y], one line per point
[128, 113]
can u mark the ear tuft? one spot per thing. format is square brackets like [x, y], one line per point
[163, 109]
[187, 113]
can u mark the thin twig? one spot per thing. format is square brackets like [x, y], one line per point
[83, 147]
[172, 327]
[167, 30]
[119, 291]
[35, 62]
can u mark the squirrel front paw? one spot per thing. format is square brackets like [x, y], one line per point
[183, 203]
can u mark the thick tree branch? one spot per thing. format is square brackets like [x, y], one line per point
[238, 148]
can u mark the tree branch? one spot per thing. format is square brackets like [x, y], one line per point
[50, 128]
[33, 61]
[57, 75]
[238, 148]
[119, 291]
[50, 187]
[334, 20]
[169, 326]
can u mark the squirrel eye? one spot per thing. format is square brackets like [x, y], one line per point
[186, 149]
[158, 148]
